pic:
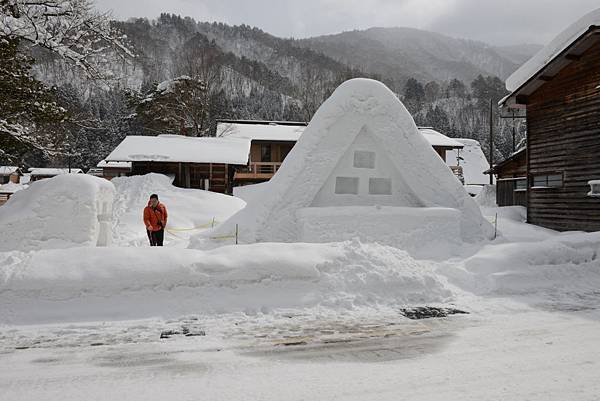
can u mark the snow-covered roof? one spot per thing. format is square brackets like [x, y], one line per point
[8, 170]
[260, 131]
[54, 171]
[104, 164]
[436, 138]
[552, 51]
[473, 161]
[177, 148]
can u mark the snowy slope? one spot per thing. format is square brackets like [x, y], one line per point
[190, 210]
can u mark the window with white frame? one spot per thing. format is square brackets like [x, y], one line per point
[547, 181]
[520, 184]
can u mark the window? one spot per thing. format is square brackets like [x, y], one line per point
[346, 185]
[364, 159]
[521, 184]
[548, 181]
[265, 153]
[380, 186]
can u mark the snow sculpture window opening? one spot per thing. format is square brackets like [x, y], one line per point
[380, 186]
[346, 185]
[364, 159]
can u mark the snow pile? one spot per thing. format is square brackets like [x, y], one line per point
[487, 196]
[552, 50]
[11, 187]
[190, 210]
[554, 267]
[473, 161]
[361, 150]
[250, 192]
[64, 211]
[115, 283]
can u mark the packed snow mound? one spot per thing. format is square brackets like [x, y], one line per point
[190, 210]
[11, 187]
[116, 283]
[61, 212]
[361, 150]
[552, 50]
[487, 196]
[556, 267]
[473, 161]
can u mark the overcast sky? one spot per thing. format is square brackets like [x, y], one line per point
[502, 22]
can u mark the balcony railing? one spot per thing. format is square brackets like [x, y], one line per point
[458, 172]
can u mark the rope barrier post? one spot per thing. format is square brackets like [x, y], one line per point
[236, 234]
[213, 223]
[496, 226]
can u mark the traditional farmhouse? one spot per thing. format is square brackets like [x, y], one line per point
[38, 173]
[560, 90]
[202, 163]
[362, 170]
[511, 179]
[10, 174]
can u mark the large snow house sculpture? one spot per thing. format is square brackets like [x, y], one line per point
[362, 170]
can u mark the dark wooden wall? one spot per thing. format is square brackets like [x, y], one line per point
[563, 121]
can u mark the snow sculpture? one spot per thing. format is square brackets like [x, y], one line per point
[62, 212]
[362, 169]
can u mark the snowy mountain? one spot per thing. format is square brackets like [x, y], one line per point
[401, 53]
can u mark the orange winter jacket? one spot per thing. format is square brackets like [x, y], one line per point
[155, 219]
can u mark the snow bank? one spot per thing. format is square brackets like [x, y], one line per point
[487, 196]
[11, 187]
[188, 208]
[250, 192]
[116, 283]
[555, 267]
[64, 211]
[364, 138]
[552, 50]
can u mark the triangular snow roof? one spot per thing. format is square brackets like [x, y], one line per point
[361, 113]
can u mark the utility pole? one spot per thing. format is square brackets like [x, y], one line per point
[491, 139]
[514, 145]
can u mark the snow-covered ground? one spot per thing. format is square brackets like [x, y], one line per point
[273, 321]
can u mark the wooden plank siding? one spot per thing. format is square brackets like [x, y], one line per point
[563, 124]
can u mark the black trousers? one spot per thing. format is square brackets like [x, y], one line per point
[156, 238]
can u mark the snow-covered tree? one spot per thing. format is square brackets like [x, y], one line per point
[71, 29]
[175, 106]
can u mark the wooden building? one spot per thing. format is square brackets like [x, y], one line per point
[511, 179]
[10, 174]
[110, 170]
[201, 163]
[270, 143]
[560, 91]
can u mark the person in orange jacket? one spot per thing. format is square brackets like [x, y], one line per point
[155, 219]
